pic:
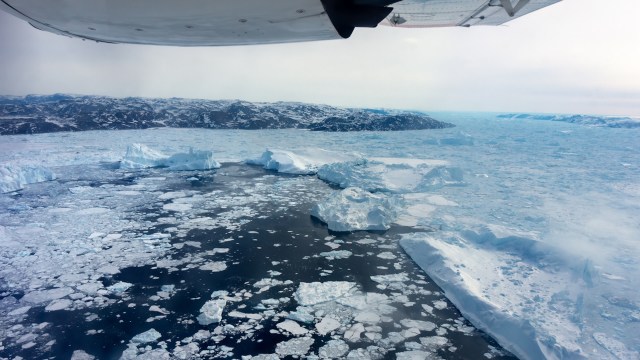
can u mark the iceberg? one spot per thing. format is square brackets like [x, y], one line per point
[139, 156]
[396, 175]
[356, 209]
[479, 272]
[13, 177]
[300, 162]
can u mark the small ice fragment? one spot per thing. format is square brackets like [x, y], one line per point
[418, 324]
[354, 332]
[59, 304]
[292, 327]
[317, 292]
[433, 342]
[413, 355]
[148, 336]
[386, 255]
[440, 304]
[19, 311]
[81, 355]
[119, 287]
[214, 266]
[333, 349]
[327, 325]
[368, 317]
[336, 254]
[294, 347]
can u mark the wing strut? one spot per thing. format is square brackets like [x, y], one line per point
[513, 10]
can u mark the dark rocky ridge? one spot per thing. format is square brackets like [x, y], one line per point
[52, 113]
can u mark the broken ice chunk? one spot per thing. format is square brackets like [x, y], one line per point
[333, 349]
[327, 325]
[59, 304]
[148, 336]
[293, 347]
[317, 292]
[354, 332]
[211, 312]
[119, 287]
[292, 327]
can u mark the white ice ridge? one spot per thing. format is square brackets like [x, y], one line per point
[300, 162]
[139, 156]
[399, 175]
[355, 209]
[528, 295]
[14, 177]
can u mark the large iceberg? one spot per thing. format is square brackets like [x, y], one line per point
[139, 156]
[356, 209]
[399, 175]
[300, 162]
[527, 294]
[14, 177]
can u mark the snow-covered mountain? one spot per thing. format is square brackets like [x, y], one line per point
[588, 120]
[60, 112]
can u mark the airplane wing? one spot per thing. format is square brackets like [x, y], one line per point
[238, 22]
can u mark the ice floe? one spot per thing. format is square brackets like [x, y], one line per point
[211, 312]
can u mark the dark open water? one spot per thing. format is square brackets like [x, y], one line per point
[252, 254]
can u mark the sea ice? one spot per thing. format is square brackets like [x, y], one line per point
[356, 209]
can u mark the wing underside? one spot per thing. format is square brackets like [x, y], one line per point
[445, 13]
[234, 22]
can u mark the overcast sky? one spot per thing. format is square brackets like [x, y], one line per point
[578, 56]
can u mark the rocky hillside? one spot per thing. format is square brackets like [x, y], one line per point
[50, 113]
